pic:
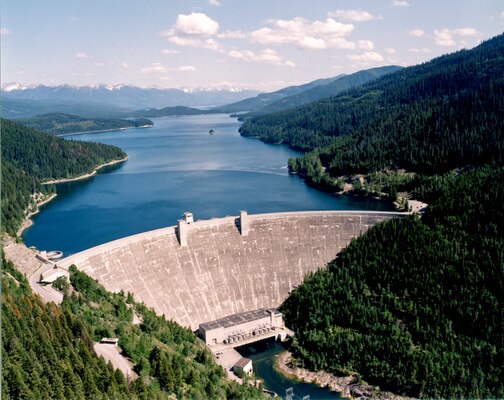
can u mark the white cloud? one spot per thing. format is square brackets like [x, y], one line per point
[99, 64]
[416, 33]
[81, 55]
[232, 35]
[124, 65]
[193, 30]
[352, 15]
[365, 44]
[422, 50]
[186, 68]
[198, 24]
[400, 3]
[156, 68]
[4, 31]
[159, 68]
[169, 51]
[366, 58]
[267, 56]
[448, 37]
[314, 35]
[209, 43]
[214, 2]
[391, 50]
[502, 15]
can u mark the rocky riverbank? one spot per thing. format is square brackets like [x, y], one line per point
[39, 199]
[347, 385]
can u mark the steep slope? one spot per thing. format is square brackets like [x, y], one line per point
[47, 351]
[432, 117]
[415, 306]
[265, 99]
[329, 89]
[28, 156]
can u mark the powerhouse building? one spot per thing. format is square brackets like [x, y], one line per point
[240, 327]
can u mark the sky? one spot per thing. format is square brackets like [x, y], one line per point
[256, 44]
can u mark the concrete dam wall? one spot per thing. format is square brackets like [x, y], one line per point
[205, 270]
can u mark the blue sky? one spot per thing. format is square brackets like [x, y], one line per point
[258, 44]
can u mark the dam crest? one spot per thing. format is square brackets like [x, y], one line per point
[201, 271]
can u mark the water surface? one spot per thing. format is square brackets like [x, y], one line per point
[263, 355]
[174, 167]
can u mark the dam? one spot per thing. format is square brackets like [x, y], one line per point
[202, 271]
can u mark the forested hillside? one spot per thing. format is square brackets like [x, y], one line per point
[29, 156]
[329, 89]
[168, 111]
[61, 124]
[47, 351]
[430, 118]
[415, 306]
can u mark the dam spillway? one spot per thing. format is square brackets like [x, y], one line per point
[223, 266]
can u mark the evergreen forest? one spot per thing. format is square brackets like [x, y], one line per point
[30, 156]
[415, 305]
[427, 119]
[65, 124]
[47, 351]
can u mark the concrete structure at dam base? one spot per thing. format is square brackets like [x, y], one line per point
[224, 335]
[200, 271]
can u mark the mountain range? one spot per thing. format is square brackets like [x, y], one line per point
[127, 97]
[108, 101]
[294, 96]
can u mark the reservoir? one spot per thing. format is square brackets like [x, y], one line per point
[174, 167]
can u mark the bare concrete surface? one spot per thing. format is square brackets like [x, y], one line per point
[111, 352]
[46, 291]
[27, 263]
[220, 271]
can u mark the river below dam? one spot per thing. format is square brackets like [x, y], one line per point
[263, 356]
[174, 167]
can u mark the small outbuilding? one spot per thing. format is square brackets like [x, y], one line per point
[244, 365]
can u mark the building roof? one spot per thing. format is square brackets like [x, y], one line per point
[242, 362]
[237, 319]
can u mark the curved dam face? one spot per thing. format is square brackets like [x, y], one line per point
[206, 270]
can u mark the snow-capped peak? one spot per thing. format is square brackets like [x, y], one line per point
[12, 86]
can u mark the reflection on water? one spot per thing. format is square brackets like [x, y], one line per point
[263, 356]
[174, 167]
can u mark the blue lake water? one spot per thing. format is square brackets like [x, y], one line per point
[174, 167]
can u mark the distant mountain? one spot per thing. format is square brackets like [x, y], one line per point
[20, 108]
[265, 99]
[429, 118]
[125, 96]
[168, 111]
[65, 124]
[329, 89]
[294, 96]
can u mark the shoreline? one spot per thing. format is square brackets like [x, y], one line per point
[27, 222]
[103, 130]
[85, 176]
[347, 386]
